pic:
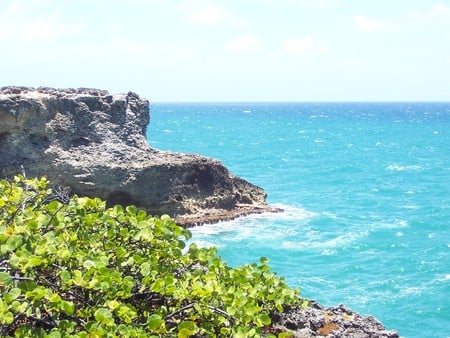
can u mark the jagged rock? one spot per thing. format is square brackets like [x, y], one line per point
[96, 144]
[332, 322]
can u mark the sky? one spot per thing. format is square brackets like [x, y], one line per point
[234, 50]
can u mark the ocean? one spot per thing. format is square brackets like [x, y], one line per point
[366, 193]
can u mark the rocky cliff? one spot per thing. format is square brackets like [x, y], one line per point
[95, 143]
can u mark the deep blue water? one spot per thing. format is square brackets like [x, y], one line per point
[366, 189]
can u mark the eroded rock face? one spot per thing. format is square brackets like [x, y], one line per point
[96, 144]
[332, 322]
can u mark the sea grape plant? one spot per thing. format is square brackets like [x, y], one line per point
[72, 267]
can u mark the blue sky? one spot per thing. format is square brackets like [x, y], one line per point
[247, 50]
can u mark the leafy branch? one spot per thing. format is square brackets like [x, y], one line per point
[69, 266]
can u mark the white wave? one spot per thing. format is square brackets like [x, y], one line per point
[396, 167]
[397, 224]
[410, 206]
[441, 279]
[412, 290]
[327, 246]
[207, 244]
[289, 212]
[329, 214]
[261, 225]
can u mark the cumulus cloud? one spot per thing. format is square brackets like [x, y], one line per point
[48, 28]
[318, 3]
[303, 46]
[245, 43]
[19, 23]
[365, 24]
[208, 15]
[204, 12]
[440, 10]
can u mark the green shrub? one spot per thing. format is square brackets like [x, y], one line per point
[72, 267]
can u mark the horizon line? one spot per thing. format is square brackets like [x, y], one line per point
[271, 102]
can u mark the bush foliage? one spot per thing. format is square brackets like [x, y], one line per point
[70, 266]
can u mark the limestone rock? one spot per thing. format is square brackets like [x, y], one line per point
[96, 144]
[332, 322]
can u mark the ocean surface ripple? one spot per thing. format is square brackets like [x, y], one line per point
[366, 193]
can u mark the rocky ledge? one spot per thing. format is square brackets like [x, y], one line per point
[95, 143]
[332, 322]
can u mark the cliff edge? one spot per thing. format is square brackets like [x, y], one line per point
[95, 143]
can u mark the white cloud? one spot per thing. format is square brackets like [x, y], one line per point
[440, 10]
[209, 15]
[48, 28]
[21, 23]
[318, 3]
[205, 12]
[245, 43]
[365, 24]
[303, 46]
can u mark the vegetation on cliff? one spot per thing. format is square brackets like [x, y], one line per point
[69, 266]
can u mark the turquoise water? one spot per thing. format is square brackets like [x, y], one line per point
[366, 193]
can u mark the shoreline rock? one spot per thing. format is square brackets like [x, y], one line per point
[331, 322]
[96, 144]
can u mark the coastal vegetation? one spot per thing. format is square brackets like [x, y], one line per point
[71, 266]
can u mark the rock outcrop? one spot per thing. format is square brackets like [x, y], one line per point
[332, 322]
[95, 143]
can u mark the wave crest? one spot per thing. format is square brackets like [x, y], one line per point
[396, 167]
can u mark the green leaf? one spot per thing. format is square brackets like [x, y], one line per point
[7, 318]
[145, 268]
[5, 279]
[155, 323]
[55, 298]
[187, 329]
[13, 294]
[89, 264]
[54, 334]
[33, 261]
[262, 320]
[146, 234]
[252, 310]
[68, 307]
[113, 304]
[104, 316]
[13, 242]
[65, 276]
